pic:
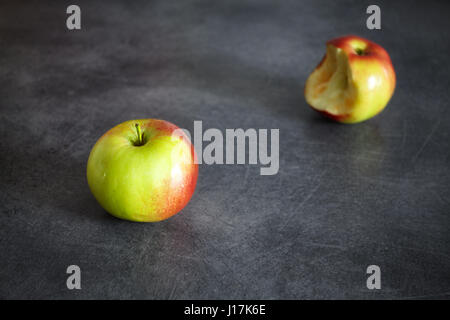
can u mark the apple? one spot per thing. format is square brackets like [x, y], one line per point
[354, 81]
[143, 170]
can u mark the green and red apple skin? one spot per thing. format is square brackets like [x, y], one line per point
[140, 171]
[354, 81]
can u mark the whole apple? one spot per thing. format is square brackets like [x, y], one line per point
[143, 170]
[354, 81]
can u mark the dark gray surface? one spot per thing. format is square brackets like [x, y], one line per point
[345, 197]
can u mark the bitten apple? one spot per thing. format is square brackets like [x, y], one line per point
[143, 170]
[354, 81]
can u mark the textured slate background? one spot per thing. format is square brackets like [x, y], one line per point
[345, 197]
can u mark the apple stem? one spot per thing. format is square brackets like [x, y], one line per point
[359, 51]
[138, 130]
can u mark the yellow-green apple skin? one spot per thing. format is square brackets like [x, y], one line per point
[354, 81]
[143, 170]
